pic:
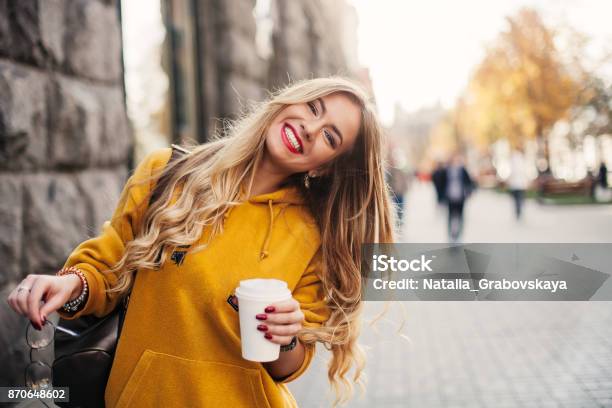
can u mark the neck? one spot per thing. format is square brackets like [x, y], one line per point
[268, 178]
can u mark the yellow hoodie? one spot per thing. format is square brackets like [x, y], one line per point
[180, 344]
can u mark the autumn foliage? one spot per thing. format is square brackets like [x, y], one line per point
[520, 89]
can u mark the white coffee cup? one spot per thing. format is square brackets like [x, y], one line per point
[254, 295]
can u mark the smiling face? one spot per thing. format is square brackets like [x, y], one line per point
[304, 137]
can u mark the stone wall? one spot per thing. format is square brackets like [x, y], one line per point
[64, 142]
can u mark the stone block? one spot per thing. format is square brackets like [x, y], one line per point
[55, 219]
[76, 122]
[88, 124]
[5, 29]
[23, 117]
[32, 31]
[117, 137]
[11, 239]
[93, 40]
[101, 190]
[26, 44]
[52, 28]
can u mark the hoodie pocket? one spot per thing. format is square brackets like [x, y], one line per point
[164, 380]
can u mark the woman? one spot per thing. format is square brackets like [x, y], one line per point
[291, 193]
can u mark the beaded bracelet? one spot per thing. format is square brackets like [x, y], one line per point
[290, 346]
[75, 304]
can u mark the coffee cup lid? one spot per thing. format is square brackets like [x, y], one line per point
[263, 289]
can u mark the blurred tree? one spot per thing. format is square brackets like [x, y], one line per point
[521, 88]
[591, 113]
[599, 99]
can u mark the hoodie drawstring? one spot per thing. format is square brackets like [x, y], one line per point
[264, 248]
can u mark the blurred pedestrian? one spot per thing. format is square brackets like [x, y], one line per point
[518, 180]
[601, 192]
[602, 178]
[457, 186]
[398, 178]
[437, 178]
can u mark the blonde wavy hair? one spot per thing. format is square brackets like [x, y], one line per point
[350, 203]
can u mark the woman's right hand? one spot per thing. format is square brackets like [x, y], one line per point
[53, 290]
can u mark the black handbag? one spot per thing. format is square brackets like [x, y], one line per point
[83, 363]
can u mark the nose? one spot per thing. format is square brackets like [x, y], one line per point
[304, 131]
[309, 128]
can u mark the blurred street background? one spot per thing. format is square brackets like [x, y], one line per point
[498, 118]
[487, 354]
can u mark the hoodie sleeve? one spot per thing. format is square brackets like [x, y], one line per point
[309, 292]
[98, 254]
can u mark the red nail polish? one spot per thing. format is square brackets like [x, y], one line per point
[268, 336]
[261, 317]
[270, 309]
[262, 327]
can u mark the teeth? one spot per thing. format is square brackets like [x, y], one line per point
[292, 139]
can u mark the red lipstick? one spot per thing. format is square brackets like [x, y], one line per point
[286, 141]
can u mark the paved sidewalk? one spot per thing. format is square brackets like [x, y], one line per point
[490, 354]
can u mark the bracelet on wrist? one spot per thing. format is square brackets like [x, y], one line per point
[76, 303]
[290, 346]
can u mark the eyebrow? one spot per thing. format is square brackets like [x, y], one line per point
[334, 128]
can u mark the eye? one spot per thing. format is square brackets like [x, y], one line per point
[330, 138]
[313, 108]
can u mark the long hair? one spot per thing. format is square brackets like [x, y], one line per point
[350, 203]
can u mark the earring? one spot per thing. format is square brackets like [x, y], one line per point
[307, 178]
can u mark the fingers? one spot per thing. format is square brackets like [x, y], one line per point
[22, 291]
[26, 299]
[284, 307]
[283, 318]
[33, 302]
[281, 321]
[53, 303]
[288, 330]
[282, 340]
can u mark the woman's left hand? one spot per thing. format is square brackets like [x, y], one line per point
[281, 321]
